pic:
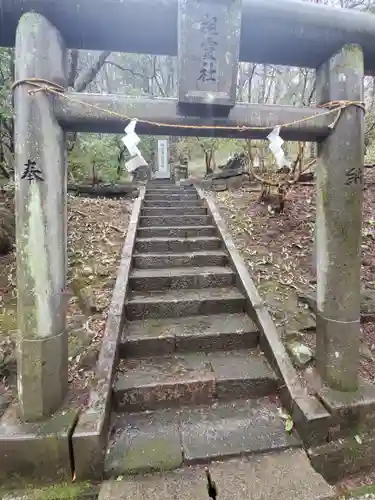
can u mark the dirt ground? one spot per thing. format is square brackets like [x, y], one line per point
[96, 230]
[278, 252]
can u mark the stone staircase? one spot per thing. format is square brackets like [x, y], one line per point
[192, 384]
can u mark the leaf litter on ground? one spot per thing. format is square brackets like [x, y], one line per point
[96, 231]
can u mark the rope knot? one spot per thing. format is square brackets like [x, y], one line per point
[39, 84]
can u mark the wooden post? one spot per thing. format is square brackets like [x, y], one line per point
[40, 178]
[339, 222]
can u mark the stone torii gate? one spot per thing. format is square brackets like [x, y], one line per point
[262, 31]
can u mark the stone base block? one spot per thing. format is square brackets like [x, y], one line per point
[42, 375]
[311, 419]
[354, 406]
[89, 445]
[337, 352]
[36, 452]
[342, 457]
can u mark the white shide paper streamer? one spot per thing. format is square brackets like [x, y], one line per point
[276, 147]
[131, 141]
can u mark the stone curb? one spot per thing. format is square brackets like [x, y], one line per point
[312, 420]
[89, 438]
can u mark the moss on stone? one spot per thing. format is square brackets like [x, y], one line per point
[63, 491]
[363, 490]
[8, 320]
[354, 56]
[147, 455]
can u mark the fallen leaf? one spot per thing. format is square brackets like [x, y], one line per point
[289, 424]
[358, 439]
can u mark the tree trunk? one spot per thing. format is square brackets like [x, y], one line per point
[87, 76]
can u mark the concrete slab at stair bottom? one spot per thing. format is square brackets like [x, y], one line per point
[154, 440]
[142, 442]
[285, 475]
[235, 428]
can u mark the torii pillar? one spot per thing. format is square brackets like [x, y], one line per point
[339, 222]
[41, 221]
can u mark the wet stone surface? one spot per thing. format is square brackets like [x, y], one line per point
[163, 439]
[242, 374]
[233, 428]
[37, 451]
[143, 442]
[285, 476]
[216, 332]
[192, 378]
[150, 383]
[196, 333]
[180, 303]
[178, 306]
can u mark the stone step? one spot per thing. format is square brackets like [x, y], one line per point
[164, 191]
[191, 378]
[176, 220]
[195, 259]
[167, 182]
[174, 197]
[167, 211]
[279, 474]
[176, 232]
[196, 333]
[164, 202]
[165, 439]
[181, 278]
[177, 245]
[178, 303]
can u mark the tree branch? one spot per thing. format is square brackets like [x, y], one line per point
[73, 67]
[154, 76]
[122, 68]
[87, 76]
